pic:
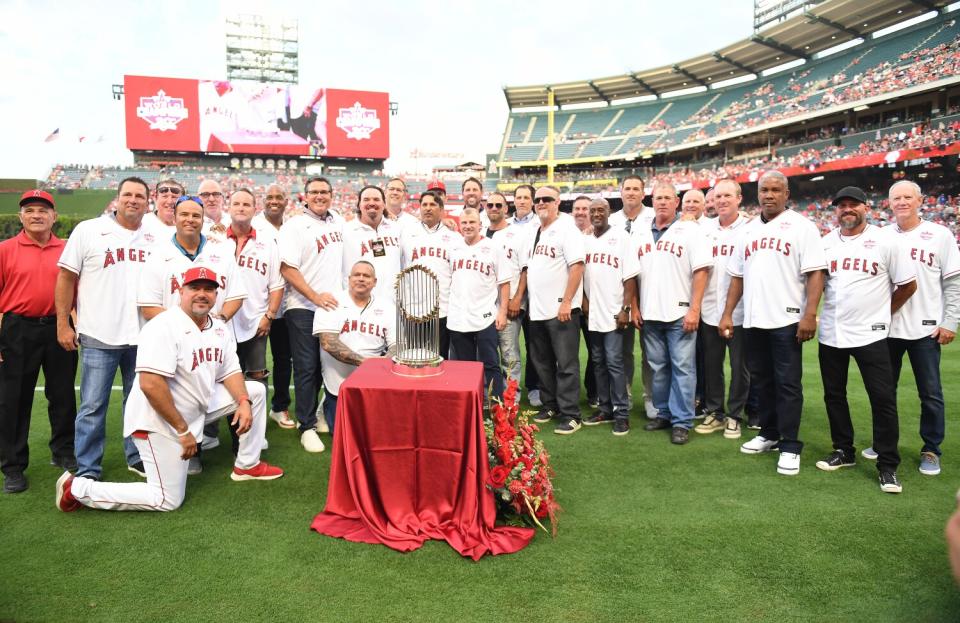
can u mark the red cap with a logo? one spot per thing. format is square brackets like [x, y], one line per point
[437, 185]
[37, 196]
[199, 273]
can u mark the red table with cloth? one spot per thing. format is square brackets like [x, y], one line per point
[410, 462]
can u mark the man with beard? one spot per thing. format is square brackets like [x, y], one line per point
[186, 356]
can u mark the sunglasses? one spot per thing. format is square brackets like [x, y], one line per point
[207, 195]
[169, 190]
[498, 206]
[544, 199]
[193, 198]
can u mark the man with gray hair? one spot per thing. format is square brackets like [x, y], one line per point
[778, 271]
[928, 320]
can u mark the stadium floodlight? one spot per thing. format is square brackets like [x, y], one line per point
[264, 49]
[117, 91]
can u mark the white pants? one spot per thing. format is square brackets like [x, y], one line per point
[166, 472]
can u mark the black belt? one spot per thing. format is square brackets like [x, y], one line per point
[32, 319]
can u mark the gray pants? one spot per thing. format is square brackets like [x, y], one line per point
[555, 351]
[714, 384]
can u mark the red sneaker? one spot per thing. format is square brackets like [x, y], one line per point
[65, 500]
[260, 471]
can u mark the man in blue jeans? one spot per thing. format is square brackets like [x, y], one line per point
[928, 320]
[777, 268]
[676, 265]
[311, 252]
[610, 304]
[102, 262]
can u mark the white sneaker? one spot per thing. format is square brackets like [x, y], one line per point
[789, 464]
[758, 445]
[651, 410]
[534, 398]
[322, 424]
[311, 441]
[209, 443]
[282, 418]
[869, 453]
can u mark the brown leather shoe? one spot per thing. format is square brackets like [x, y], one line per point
[679, 435]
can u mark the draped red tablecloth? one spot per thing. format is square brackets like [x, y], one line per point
[410, 462]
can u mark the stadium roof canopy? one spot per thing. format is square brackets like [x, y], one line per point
[821, 27]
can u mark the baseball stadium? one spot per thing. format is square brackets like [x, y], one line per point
[832, 94]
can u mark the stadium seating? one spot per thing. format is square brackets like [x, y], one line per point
[849, 75]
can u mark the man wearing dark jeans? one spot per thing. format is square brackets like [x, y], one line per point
[311, 252]
[928, 320]
[862, 263]
[554, 269]
[778, 271]
[28, 342]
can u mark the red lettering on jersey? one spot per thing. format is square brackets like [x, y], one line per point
[922, 256]
[856, 264]
[327, 239]
[773, 244]
[174, 284]
[253, 264]
[670, 247]
[108, 259]
[644, 248]
[363, 249]
[545, 250]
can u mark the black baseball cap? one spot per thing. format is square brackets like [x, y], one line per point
[850, 192]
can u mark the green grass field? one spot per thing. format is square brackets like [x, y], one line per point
[649, 532]
[81, 203]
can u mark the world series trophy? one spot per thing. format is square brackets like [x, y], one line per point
[418, 323]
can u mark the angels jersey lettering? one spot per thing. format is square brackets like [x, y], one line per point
[610, 260]
[108, 260]
[380, 247]
[856, 296]
[772, 258]
[668, 267]
[432, 249]
[193, 361]
[478, 271]
[314, 246]
[724, 242]
[548, 266]
[258, 267]
[932, 250]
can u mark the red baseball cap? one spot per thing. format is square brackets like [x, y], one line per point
[37, 196]
[199, 273]
[436, 185]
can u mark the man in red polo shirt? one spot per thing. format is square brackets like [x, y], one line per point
[28, 341]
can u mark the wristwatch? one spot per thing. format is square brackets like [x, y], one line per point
[625, 309]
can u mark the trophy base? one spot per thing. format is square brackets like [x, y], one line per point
[419, 370]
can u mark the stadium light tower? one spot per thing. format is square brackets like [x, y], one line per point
[769, 12]
[263, 49]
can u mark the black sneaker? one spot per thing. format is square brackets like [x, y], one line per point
[658, 423]
[567, 427]
[835, 460]
[889, 483]
[621, 426]
[544, 416]
[137, 468]
[679, 435]
[67, 463]
[14, 482]
[598, 417]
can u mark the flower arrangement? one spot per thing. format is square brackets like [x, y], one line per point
[520, 472]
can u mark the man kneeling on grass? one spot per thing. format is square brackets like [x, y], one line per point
[184, 357]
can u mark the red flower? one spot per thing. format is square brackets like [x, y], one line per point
[498, 476]
[510, 394]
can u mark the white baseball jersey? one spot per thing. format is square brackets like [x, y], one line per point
[772, 258]
[513, 241]
[109, 261]
[611, 259]
[368, 330]
[668, 266]
[258, 267]
[548, 261]
[643, 220]
[478, 271]
[724, 242]
[208, 224]
[405, 220]
[857, 292]
[153, 225]
[314, 246]
[218, 113]
[360, 242]
[163, 276]
[932, 249]
[193, 361]
[431, 249]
